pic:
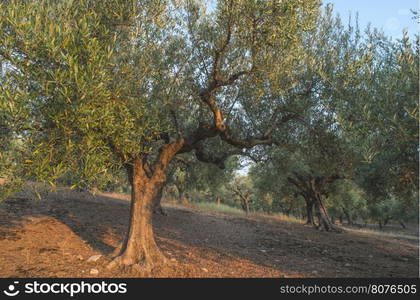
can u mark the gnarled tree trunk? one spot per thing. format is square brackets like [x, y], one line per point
[244, 200]
[323, 217]
[139, 248]
[402, 224]
[349, 219]
[157, 203]
[181, 194]
[309, 212]
[312, 189]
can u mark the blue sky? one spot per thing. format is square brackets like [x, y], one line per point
[392, 16]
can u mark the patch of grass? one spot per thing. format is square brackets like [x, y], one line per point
[226, 209]
[289, 219]
[383, 234]
[221, 208]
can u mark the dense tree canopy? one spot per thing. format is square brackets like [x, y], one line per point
[366, 95]
[92, 86]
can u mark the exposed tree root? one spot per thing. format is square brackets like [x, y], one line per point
[144, 263]
[329, 228]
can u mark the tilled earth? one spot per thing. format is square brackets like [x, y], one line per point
[56, 236]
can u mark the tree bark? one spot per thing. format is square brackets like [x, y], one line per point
[349, 220]
[309, 212]
[157, 205]
[139, 248]
[246, 207]
[244, 200]
[323, 218]
[402, 224]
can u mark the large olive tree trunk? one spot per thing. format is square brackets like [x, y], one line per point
[139, 249]
[309, 212]
[323, 217]
[312, 189]
[157, 202]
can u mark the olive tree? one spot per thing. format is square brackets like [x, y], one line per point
[378, 112]
[129, 84]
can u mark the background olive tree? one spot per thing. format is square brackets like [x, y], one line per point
[365, 86]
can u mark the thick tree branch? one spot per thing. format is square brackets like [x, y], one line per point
[275, 124]
[203, 132]
[218, 160]
[147, 168]
[248, 142]
[218, 55]
[166, 153]
[176, 124]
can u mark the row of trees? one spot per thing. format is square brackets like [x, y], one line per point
[352, 152]
[364, 160]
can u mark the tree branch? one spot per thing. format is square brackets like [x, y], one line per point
[248, 142]
[218, 56]
[283, 120]
[219, 161]
[203, 131]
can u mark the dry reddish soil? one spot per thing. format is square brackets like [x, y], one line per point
[55, 236]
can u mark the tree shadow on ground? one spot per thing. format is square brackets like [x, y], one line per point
[285, 247]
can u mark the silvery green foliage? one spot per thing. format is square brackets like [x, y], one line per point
[87, 86]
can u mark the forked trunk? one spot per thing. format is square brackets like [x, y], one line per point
[139, 248]
[246, 207]
[323, 218]
[157, 203]
[349, 220]
[309, 212]
[309, 215]
[402, 224]
[182, 199]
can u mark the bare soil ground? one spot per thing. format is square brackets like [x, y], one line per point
[55, 236]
